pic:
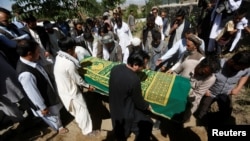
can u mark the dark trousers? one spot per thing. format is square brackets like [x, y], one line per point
[224, 102]
[143, 130]
[141, 126]
[225, 105]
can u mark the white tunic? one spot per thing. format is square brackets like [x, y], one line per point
[124, 35]
[68, 81]
[159, 22]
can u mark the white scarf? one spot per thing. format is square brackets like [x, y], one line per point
[69, 57]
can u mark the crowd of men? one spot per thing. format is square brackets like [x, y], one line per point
[39, 64]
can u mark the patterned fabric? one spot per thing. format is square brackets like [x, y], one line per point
[166, 93]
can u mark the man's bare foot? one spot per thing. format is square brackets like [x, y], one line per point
[63, 131]
[94, 133]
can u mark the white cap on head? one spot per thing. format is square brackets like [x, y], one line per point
[136, 41]
[106, 14]
[154, 7]
[107, 38]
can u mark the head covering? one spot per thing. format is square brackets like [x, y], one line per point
[154, 8]
[195, 40]
[106, 14]
[107, 38]
[135, 41]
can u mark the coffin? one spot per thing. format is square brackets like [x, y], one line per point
[166, 93]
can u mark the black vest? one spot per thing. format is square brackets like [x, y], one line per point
[49, 95]
[171, 38]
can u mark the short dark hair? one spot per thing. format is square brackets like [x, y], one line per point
[180, 13]
[30, 18]
[25, 46]
[191, 30]
[88, 35]
[3, 10]
[207, 66]
[103, 29]
[242, 58]
[156, 35]
[150, 17]
[137, 57]
[66, 43]
[118, 19]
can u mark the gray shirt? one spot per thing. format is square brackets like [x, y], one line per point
[131, 20]
[224, 84]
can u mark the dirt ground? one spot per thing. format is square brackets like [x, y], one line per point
[37, 130]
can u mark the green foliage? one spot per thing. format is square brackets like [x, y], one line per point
[149, 5]
[55, 9]
[111, 4]
[130, 7]
[193, 20]
[138, 29]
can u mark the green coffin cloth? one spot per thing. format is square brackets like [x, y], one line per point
[167, 94]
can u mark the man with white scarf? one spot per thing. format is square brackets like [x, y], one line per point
[68, 83]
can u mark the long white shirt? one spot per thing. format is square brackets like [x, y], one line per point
[68, 80]
[93, 46]
[124, 35]
[159, 22]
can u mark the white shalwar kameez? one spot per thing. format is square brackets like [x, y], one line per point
[68, 81]
[124, 35]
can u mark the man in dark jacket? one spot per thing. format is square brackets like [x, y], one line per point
[127, 106]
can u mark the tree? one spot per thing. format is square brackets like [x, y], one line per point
[149, 5]
[131, 7]
[53, 9]
[111, 4]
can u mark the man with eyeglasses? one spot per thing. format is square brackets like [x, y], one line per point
[176, 28]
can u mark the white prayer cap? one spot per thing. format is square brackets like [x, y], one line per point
[106, 14]
[107, 38]
[136, 41]
[154, 8]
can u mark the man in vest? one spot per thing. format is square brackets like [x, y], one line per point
[38, 86]
[176, 30]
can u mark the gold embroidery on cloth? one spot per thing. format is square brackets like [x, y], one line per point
[156, 86]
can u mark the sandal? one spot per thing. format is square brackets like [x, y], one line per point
[63, 131]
